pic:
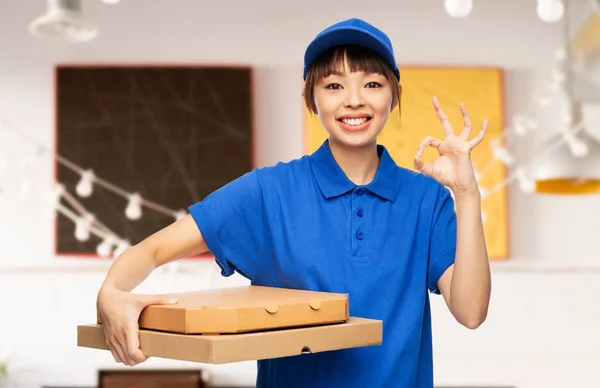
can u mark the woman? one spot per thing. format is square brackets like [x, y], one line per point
[345, 219]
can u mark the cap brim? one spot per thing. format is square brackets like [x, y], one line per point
[347, 35]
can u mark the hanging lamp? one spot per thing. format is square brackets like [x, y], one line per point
[571, 161]
[573, 166]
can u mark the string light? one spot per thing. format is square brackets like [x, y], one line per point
[88, 179]
[133, 211]
[458, 8]
[501, 154]
[180, 214]
[85, 186]
[105, 248]
[550, 11]
[86, 224]
[525, 183]
[82, 227]
[122, 246]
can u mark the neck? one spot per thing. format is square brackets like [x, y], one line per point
[358, 163]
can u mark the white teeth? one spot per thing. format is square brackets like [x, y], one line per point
[354, 121]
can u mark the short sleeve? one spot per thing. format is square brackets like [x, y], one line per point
[232, 224]
[442, 246]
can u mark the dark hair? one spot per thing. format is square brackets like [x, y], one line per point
[358, 59]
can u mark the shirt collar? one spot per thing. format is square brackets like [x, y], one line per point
[333, 182]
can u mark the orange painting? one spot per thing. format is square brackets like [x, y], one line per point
[481, 89]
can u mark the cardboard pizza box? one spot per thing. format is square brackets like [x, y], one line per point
[227, 348]
[244, 309]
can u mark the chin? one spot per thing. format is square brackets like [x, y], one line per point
[353, 139]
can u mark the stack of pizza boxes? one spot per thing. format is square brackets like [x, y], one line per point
[245, 323]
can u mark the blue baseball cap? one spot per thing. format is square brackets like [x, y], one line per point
[355, 32]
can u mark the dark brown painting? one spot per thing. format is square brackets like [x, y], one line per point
[172, 134]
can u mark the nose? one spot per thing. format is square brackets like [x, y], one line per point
[353, 98]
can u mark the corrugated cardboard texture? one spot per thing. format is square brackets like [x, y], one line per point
[244, 309]
[219, 349]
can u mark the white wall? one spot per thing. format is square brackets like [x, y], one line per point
[541, 330]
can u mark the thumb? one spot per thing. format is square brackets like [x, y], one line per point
[159, 299]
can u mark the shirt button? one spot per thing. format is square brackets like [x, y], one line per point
[360, 192]
[360, 212]
[360, 235]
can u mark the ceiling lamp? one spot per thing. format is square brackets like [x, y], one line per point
[550, 11]
[64, 20]
[458, 8]
[572, 163]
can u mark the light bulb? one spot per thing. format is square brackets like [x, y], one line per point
[84, 188]
[81, 233]
[121, 247]
[531, 123]
[82, 227]
[526, 184]
[103, 249]
[558, 76]
[458, 8]
[544, 101]
[133, 211]
[111, 1]
[519, 125]
[180, 214]
[502, 154]
[560, 54]
[483, 191]
[550, 11]
[578, 148]
[56, 195]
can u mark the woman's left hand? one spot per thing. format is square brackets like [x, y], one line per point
[453, 167]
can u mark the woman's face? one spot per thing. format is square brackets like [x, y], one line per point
[353, 107]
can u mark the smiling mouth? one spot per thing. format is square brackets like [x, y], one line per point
[354, 122]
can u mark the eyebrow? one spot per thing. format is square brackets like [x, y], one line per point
[339, 73]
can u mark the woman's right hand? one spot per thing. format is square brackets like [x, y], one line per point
[120, 312]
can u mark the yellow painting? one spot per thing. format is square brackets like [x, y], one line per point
[481, 89]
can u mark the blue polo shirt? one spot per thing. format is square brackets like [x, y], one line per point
[303, 224]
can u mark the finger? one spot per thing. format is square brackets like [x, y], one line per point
[122, 345]
[428, 141]
[134, 352]
[446, 126]
[479, 138]
[426, 168]
[110, 342]
[466, 133]
[118, 349]
[114, 352]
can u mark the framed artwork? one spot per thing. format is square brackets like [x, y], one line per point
[171, 134]
[151, 379]
[481, 89]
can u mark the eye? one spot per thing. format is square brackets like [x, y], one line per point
[333, 86]
[373, 85]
